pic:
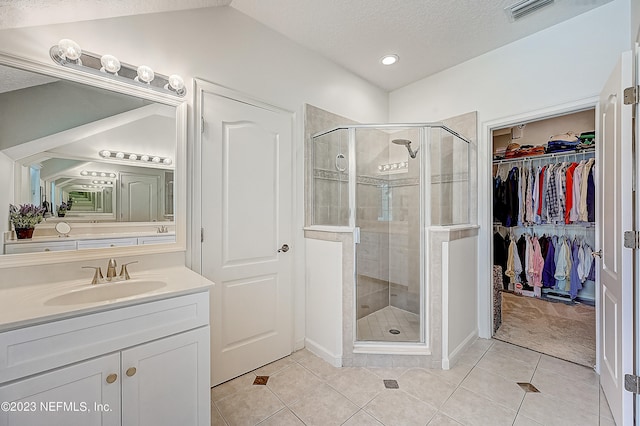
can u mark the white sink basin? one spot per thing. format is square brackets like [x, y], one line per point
[106, 291]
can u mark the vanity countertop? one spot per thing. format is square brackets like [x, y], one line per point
[28, 305]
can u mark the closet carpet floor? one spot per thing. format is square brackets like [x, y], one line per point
[564, 331]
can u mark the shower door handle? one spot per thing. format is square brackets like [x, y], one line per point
[284, 248]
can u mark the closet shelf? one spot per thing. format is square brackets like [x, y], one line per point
[584, 153]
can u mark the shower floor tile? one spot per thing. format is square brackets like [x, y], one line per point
[377, 326]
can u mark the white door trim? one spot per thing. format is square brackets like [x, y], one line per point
[485, 207]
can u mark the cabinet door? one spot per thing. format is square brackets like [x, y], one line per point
[78, 395]
[166, 382]
[29, 247]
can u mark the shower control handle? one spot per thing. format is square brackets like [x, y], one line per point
[284, 248]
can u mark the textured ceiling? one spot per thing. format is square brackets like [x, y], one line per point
[428, 35]
[27, 13]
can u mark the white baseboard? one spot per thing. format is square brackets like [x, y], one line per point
[323, 353]
[450, 360]
[298, 345]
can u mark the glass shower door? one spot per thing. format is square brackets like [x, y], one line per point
[388, 256]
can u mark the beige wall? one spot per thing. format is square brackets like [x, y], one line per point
[538, 132]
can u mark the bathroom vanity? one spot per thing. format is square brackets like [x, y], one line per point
[124, 352]
[72, 353]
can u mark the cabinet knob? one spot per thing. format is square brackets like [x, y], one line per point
[47, 249]
[112, 378]
[112, 245]
[131, 371]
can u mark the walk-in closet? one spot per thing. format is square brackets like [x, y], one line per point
[544, 236]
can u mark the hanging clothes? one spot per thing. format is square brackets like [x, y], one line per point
[560, 193]
[563, 266]
[512, 198]
[536, 263]
[575, 283]
[514, 266]
[549, 268]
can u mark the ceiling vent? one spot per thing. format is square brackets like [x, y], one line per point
[525, 7]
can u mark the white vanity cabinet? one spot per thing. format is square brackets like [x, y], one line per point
[40, 247]
[146, 364]
[107, 242]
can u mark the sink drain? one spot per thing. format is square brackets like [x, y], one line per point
[394, 331]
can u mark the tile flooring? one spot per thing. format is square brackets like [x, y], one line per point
[481, 389]
[376, 326]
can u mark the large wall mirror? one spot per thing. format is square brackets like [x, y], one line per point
[106, 159]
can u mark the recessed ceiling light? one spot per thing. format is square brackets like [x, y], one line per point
[389, 59]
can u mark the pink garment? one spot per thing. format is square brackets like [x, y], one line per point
[536, 263]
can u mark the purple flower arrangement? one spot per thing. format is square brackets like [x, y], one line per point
[25, 215]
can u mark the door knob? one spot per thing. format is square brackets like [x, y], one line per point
[597, 253]
[284, 248]
[112, 378]
[131, 371]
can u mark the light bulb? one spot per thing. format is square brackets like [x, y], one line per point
[110, 64]
[167, 161]
[145, 74]
[176, 82]
[112, 175]
[156, 159]
[69, 49]
[133, 157]
[84, 173]
[94, 174]
[103, 174]
[144, 158]
[94, 181]
[105, 153]
[389, 59]
[120, 155]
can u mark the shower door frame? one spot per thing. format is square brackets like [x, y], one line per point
[422, 347]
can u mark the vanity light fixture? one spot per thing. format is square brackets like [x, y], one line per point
[69, 54]
[98, 174]
[145, 158]
[400, 167]
[102, 182]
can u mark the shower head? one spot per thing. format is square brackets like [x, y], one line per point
[407, 143]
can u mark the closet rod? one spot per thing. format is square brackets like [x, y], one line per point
[583, 152]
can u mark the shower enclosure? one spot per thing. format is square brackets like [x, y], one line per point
[389, 183]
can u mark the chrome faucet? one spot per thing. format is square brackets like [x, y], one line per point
[111, 269]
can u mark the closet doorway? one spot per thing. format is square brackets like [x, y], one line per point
[544, 235]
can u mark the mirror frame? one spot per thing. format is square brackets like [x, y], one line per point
[180, 170]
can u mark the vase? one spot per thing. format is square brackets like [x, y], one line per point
[24, 233]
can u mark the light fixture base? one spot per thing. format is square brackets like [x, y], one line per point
[91, 63]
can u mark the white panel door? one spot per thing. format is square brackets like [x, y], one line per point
[247, 217]
[616, 275]
[139, 198]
